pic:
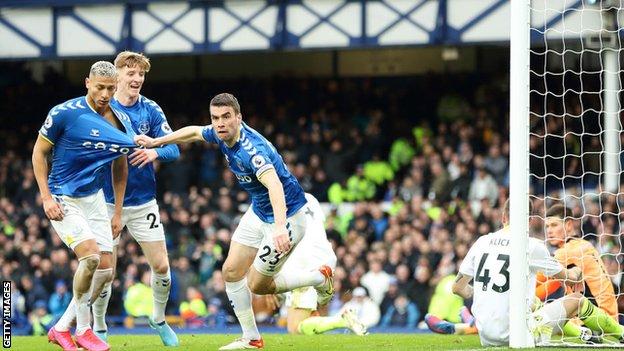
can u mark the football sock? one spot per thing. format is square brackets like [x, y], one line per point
[161, 285]
[464, 329]
[82, 288]
[319, 325]
[99, 307]
[64, 323]
[240, 298]
[571, 329]
[598, 320]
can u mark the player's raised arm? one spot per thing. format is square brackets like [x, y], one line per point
[272, 182]
[120, 179]
[181, 136]
[42, 149]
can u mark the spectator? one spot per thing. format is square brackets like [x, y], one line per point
[193, 310]
[376, 281]
[40, 319]
[138, 300]
[483, 187]
[59, 300]
[402, 313]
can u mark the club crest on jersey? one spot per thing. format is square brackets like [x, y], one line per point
[258, 161]
[95, 133]
[165, 128]
[48, 122]
[144, 127]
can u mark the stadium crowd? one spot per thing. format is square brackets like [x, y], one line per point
[413, 170]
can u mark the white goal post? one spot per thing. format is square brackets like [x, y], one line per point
[519, 171]
[577, 48]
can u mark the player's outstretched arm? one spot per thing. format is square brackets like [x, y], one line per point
[120, 179]
[181, 136]
[462, 287]
[278, 202]
[42, 149]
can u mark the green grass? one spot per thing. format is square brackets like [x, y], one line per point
[278, 342]
[282, 342]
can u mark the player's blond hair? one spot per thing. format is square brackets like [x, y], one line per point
[132, 59]
[103, 69]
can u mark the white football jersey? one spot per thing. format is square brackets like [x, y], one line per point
[487, 262]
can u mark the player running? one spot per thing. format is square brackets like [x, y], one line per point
[83, 136]
[140, 213]
[275, 222]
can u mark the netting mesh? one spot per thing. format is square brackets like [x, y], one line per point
[576, 135]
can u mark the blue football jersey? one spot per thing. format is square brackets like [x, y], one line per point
[146, 118]
[84, 143]
[251, 156]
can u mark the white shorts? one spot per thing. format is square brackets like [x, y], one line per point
[551, 315]
[85, 218]
[143, 221]
[253, 232]
[313, 251]
[494, 331]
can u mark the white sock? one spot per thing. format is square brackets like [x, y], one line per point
[287, 281]
[240, 298]
[64, 323]
[82, 314]
[161, 285]
[99, 307]
[83, 281]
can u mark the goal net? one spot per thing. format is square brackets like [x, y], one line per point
[574, 143]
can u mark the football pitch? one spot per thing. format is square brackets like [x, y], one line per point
[282, 342]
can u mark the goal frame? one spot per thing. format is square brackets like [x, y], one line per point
[519, 86]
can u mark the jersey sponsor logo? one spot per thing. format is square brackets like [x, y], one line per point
[103, 146]
[258, 161]
[243, 178]
[144, 127]
[95, 133]
[165, 128]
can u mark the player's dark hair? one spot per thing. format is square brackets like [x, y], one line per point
[226, 99]
[559, 211]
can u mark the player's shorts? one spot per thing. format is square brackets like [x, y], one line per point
[551, 315]
[143, 221]
[85, 218]
[313, 251]
[494, 331]
[253, 232]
